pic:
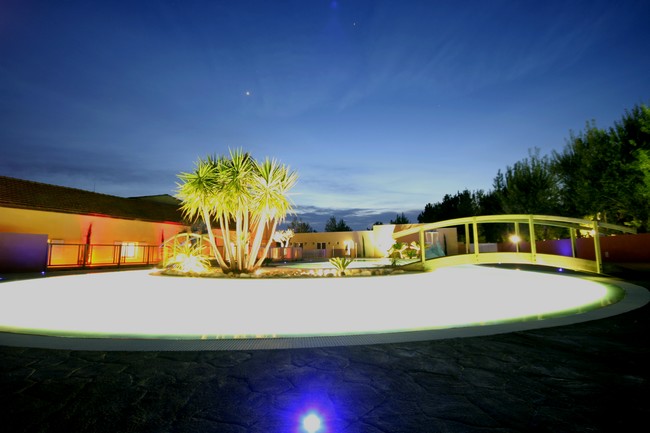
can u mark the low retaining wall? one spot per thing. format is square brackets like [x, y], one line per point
[615, 249]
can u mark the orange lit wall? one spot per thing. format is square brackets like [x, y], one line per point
[73, 229]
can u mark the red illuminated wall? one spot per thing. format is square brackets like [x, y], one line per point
[615, 249]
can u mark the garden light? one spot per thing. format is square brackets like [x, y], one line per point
[311, 423]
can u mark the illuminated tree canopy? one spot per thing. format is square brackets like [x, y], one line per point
[248, 199]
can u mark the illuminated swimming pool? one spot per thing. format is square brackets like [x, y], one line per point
[135, 305]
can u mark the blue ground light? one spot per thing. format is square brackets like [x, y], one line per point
[312, 423]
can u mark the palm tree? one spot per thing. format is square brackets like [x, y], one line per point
[270, 188]
[236, 174]
[197, 193]
[239, 189]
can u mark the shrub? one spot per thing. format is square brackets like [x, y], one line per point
[341, 263]
[188, 259]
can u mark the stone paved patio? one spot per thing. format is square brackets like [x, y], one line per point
[588, 377]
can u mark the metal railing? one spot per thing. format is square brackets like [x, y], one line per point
[101, 255]
[595, 229]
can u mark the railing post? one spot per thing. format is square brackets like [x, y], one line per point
[599, 259]
[518, 236]
[475, 232]
[466, 238]
[533, 241]
[83, 254]
[422, 250]
[573, 242]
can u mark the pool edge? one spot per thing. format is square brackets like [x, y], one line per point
[635, 297]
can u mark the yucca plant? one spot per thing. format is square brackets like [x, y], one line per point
[412, 251]
[188, 259]
[238, 189]
[341, 263]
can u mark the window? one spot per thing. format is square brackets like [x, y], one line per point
[321, 245]
[128, 249]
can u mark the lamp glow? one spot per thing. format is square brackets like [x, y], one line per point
[311, 423]
[515, 239]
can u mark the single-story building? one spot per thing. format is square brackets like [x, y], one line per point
[43, 225]
[49, 226]
[373, 243]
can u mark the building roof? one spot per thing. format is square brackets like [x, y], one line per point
[26, 194]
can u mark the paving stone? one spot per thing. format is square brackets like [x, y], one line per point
[580, 378]
[355, 400]
[269, 384]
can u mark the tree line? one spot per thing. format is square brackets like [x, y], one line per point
[297, 225]
[601, 174]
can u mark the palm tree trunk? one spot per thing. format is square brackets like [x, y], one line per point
[245, 240]
[268, 244]
[225, 230]
[239, 242]
[213, 243]
[257, 242]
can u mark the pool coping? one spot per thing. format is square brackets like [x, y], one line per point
[635, 297]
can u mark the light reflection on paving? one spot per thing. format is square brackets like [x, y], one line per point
[137, 304]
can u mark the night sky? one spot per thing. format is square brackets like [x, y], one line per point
[380, 106]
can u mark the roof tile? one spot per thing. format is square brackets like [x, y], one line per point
[26, 194]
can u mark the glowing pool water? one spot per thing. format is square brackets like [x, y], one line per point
[138, 305]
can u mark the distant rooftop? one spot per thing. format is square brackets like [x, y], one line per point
[26, 194]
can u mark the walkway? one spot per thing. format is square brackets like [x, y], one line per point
[586, 377]
[529, 223]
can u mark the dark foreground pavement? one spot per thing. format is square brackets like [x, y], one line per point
[588, 377]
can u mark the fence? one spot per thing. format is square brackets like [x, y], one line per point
[99, 255]
[523, 225]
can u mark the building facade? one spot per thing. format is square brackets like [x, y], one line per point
[373, 243]
[80, 228]
[45, 226]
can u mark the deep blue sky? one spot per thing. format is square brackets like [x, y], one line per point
[380, 106]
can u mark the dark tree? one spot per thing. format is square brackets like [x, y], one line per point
[462, 204]
[376, 223]
[529, 187]
[300, 226]
[466, 204]
[489, 204]
[333, 225]
[400, 219]
[605, 174]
